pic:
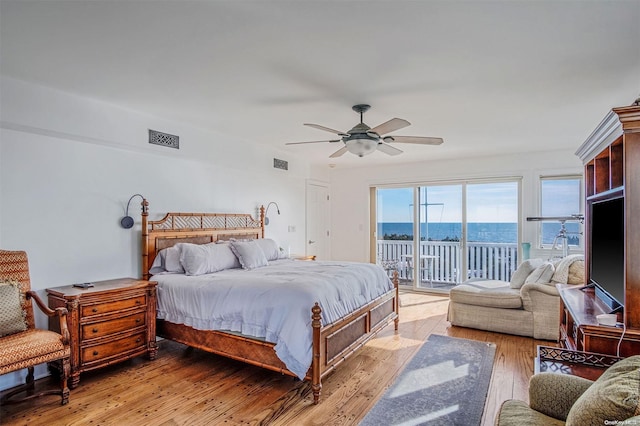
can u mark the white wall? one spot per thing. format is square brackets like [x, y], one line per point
[350, 190]
[68, 166]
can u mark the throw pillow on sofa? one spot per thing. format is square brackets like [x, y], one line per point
[612, 398]
[524, 270]
[542, 274]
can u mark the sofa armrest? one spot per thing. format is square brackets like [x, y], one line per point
[532, 293]
[554, 394]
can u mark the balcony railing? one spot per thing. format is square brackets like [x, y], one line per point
[441, 261]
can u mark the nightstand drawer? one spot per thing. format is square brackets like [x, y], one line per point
[105, 328]
[117, 305]
[114, 347]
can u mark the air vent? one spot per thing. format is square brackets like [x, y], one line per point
[280, 164]
[164, 139]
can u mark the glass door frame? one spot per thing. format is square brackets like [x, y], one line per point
[416, 211]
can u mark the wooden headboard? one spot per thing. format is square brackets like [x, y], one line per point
[196, 228]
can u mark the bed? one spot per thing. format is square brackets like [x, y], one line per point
[332, 338]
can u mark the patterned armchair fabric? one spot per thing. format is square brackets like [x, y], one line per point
[28, 348]
[559, 399]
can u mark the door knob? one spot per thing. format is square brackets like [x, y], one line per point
[311, 242]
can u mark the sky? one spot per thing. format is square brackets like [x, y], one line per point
[486, 202]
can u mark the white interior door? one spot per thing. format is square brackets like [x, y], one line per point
[318, 239]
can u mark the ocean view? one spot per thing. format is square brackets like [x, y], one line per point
[487, 232]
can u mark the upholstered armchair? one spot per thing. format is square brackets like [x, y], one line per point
[559, 399]
[22, 345]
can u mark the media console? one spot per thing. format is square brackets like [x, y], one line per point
[611, 157]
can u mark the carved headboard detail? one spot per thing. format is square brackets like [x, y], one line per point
[195, 228]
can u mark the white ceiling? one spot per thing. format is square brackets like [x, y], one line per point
[487, 76]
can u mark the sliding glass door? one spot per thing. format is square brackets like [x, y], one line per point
[441, 238]
[462, 230]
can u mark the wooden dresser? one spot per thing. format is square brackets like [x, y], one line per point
[110, 322]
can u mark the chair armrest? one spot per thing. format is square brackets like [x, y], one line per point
[554, 394]
[533, 292]
[61, 313]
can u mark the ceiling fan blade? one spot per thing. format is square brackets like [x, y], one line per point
[413, 139]
[300, 143]
[339, 152]
[326, 129]
[390, 126]
[388, 149]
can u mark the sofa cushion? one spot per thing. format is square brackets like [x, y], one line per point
[523, 271]
[490, 293]
[518, 413]
[542, 274]
[612, 398]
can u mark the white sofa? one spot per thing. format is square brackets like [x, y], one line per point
[528, 305]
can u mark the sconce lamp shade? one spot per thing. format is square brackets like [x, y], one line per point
[266, 218]
[127, 221]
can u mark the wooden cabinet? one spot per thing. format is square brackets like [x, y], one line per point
[611, 157]
[108, 323]
[579, 329]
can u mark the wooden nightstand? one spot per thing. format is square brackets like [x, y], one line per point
[110, 322]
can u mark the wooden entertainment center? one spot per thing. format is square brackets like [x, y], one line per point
[611, 156]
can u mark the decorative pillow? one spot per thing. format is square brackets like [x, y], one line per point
[269, 248]
[610, 399]
[168, 260]
[249, 253]
[524, 270]
[199, 259]
[571, 263]
[12, 316]
[542, 274]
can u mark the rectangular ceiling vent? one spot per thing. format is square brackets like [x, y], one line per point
[280, 164]
[164, 139]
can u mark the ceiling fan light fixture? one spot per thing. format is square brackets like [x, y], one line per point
[361, 146]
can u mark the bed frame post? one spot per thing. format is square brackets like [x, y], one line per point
[262, 220]
[396, 284]
[316, 324]
[145, 239]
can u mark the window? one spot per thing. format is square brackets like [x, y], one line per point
[560, 196]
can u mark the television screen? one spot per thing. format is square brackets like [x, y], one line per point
[607, 249]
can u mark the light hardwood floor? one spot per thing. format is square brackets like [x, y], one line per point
[190, 387]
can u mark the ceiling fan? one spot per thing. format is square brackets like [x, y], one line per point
[363, 140]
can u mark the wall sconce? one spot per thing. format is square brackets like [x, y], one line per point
[266, 218]
[127, 221]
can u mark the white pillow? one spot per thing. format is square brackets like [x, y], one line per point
[199, 259]
[542, 274]
[168, 260]
[249, 253]
[269, 248]
[521, 274]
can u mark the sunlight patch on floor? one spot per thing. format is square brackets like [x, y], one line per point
[428, 417]
[432, 375]
[383, 342]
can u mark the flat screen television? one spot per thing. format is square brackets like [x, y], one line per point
[607, 251]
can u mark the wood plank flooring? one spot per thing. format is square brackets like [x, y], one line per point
[184, 386]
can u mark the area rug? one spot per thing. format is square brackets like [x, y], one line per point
[445, 383]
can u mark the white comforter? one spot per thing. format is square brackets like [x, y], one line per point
[273, 302]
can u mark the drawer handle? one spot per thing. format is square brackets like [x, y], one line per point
[95, 330]
[94, 310]
[95, 353]
[138, 340]
[138, 302]
[138, 320]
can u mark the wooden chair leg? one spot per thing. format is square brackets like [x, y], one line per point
[64, 375]
[30, 384]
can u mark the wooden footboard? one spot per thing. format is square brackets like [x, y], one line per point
[332, 344]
